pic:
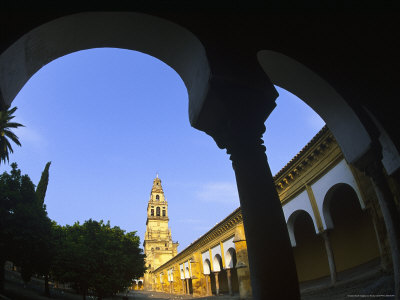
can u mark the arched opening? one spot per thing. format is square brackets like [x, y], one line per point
[340, 118]
[206, 267]
[231, 261]
[308, 248]
[136, 31]
[352, 233]
[222, 276]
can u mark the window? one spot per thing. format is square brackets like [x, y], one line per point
[152, 212]
[157, 197]
[157, 248]
[163, 213]
[158, 211]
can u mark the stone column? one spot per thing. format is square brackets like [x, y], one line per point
[187, 286]
[234, 115]
[329, 253]
[216, 283]
[207, 284]
[242, 264]
[390, 216]
[183, 286]
[228, 275]
[384, 265]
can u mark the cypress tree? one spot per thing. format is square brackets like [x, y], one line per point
[42, 186]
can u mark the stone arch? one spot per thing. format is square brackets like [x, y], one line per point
[217, 263]
[327, 202]
[230, 258]
[340, 118]
[163, 39]
[187, 272]
[206, 267]
[290, 224]
[231, 263]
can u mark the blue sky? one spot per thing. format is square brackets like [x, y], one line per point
[110, 119]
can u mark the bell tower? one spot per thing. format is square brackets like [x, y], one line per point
[158, 244]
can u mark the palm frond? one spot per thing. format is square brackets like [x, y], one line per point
[12, 136]
[5, 133]
[14, 125]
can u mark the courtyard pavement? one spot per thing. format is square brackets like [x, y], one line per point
[367, 281]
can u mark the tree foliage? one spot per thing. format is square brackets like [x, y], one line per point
[94, 256]
[43, 182]
[24, 225]
[6, 115]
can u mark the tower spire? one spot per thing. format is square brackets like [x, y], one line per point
[158, 244]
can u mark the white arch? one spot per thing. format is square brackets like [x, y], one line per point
[217, 260]
[300, 202]
[182, 272]
[229, 255]
[327, 201]
[340, 173]
[187, 272]
[206, 267]
[320, 96]
[167, 41]
[290, 224]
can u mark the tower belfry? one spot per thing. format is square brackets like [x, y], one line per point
[158, 244]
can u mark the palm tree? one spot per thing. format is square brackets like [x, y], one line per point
[6, 115]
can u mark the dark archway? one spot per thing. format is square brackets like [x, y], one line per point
[231, 262]
[352, 236]
[309, 249]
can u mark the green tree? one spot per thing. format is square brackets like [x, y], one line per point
[97, 257]
[41, 188]
[48, 248]
[25, 227]
[6, 115]
[9, 195]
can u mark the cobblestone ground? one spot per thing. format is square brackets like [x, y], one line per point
[143, 295]
[378, 286]
[375, 284]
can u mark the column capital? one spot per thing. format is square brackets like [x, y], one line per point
[234, 114]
